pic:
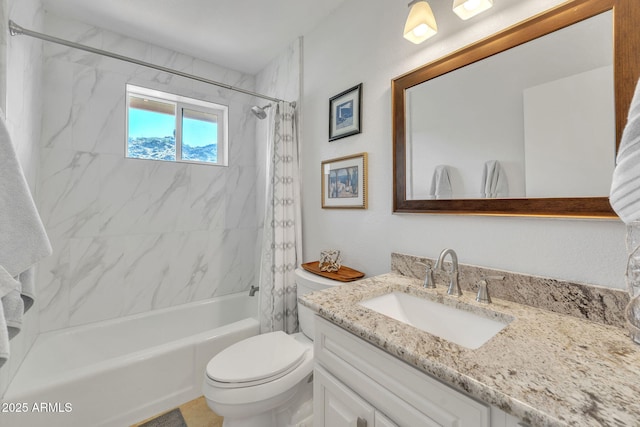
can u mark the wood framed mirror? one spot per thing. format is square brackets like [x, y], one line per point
[625, 65]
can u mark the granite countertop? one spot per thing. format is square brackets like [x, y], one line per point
[547, 369]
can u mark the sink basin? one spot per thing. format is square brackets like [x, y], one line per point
[459, 326]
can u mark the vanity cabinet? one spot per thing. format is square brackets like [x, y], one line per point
[341, 407]
[359, 385]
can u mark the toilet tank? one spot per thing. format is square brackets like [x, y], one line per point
[308, 282]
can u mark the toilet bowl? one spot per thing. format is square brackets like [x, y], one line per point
[266, 380]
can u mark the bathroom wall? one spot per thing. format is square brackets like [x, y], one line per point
[134, 235]
[362, 42]
[547, 130]
[20, 91]
[280, 78]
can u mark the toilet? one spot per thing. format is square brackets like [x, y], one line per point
[266, 380]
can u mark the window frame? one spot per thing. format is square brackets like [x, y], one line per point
[181, 103]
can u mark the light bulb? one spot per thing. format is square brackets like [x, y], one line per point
[466, 9]
[420, 30]
[471, 4]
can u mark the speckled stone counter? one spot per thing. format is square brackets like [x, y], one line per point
[585, 301]
[545, 368]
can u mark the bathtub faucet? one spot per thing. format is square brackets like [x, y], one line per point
[253, 290]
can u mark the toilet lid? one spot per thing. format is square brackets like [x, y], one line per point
[256, 359]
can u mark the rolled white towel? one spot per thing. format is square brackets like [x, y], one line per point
[441, 183]
[494, 180]
[625, 185]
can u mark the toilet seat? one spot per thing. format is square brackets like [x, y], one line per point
[256, 360]
[226, 394]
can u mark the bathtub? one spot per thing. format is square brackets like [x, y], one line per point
[121, 371]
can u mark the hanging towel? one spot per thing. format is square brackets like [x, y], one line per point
[625, 185]
[23, 241]
[8, 285]
[441, 183]
[28, 281]
[494, 180]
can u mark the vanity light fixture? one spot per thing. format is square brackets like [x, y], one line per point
[466, 9]
[421, 24]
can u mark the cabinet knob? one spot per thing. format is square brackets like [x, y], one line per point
[361, 422]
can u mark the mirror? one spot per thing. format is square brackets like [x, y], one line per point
[532, 126]
[525, 122]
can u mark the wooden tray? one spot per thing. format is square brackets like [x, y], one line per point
[344, 274]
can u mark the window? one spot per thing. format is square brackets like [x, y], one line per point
[164, 126]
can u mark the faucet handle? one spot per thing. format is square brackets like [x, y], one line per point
[483, 296]
[429, 281]
[483, 289]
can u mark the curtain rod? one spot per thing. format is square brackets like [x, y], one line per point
[16, 30]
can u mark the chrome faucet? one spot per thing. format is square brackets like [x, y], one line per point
[454, 286]
[253, 290]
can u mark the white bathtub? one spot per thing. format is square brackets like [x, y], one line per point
[121, 371]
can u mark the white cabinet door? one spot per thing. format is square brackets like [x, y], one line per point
[382, 421]
[335, 405]
[410, 397]
[349, 370]
[514, 422]
[500, 418]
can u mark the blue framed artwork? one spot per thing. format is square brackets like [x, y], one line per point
[345, 114]
[344, 182]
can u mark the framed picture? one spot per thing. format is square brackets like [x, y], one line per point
[345, 114]
[344, 182]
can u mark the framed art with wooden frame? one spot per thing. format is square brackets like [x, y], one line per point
[344, 182]
[345, 113]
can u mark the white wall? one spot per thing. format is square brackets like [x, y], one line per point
[362, 42]
[21, 92]
[581, 142]
[134, 235]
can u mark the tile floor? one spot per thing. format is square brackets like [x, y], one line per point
[191, 414]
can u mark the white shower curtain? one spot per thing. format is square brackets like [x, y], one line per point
[281, 242]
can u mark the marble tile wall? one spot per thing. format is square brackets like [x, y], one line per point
[134, 235]
[20, 93]
[589, 302]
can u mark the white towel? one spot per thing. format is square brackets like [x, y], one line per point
[625, 185]
[28, 282]
[494, 180]
[8, 285]
[4, 339]
[23, 240]
[441, 183]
